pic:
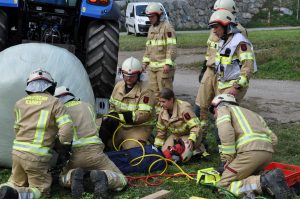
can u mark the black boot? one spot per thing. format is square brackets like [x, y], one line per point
[7, 192]
[100, 181]
[77, 183]
[274, 183]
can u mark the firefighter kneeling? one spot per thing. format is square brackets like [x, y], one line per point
[246, 148]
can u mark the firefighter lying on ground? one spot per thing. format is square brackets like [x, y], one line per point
[246, 148]
[131, 104]
[40, 120]
[177, 124]
[87, 152]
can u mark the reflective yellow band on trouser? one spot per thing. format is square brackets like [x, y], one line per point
[32, 148]
[234, 187]
[86, 141]
[159, 142]
[227, 149]
[130, 107]
[41, 127]
[227, 84]
[32, 193]
[237, 189]
[224, 118]
[246, 56]
[63, 120]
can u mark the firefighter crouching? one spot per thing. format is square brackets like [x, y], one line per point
[87, 151]
[177, 119]
[246, 148]
[208, 77]
[160, 51]
[131, 105]
[39, 119]
[235, 60]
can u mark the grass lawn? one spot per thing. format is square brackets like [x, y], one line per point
[277, 52]
[287, 152]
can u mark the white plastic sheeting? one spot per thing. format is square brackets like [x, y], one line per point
[16, 63]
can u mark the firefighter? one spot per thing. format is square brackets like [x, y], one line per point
[160, 51]
[40, 120]
[176, 121]
[87, 151]
[131, 104]
[208, 77]
[246, 148]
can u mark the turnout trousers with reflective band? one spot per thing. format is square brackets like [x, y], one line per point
[159, 80]
[91, 157]
[30, 177]
[206, 93]
[242, 174]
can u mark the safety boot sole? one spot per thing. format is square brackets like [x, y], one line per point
[99, 179]
[276, 185]
[77, 188]
[7, 192]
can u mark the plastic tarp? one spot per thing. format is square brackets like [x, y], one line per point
[16, 63]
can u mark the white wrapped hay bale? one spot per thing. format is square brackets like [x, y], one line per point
[16, 63]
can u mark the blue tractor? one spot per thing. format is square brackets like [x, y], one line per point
[88, 28]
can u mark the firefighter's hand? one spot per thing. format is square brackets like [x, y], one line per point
[233, 91]
[166, 68]
[144, 66]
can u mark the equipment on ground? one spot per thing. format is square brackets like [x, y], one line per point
[87, 28]
[179, 152]
[208, 176]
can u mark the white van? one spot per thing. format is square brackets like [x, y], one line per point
[136, 20]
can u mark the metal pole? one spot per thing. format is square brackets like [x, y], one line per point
[298, 10]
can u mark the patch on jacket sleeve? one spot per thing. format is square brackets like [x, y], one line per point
[244, 47]
[169, 34]
[187, 116]
[146, 100]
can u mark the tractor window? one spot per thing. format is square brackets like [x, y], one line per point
[140, 10]
[70, 3]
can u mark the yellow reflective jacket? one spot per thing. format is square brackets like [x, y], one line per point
[160, 46]
[40, 117]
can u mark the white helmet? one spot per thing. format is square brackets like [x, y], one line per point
[225, 4]
[154, 8]
[223, 98]
[223, 17]
[40, 74]
[131, 66]
[62, 90]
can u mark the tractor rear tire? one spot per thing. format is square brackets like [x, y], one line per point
[3, 30]
[102, 47]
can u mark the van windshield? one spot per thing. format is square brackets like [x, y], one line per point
[140, 10]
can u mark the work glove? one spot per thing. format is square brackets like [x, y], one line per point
[203, 69]
[127, 116]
